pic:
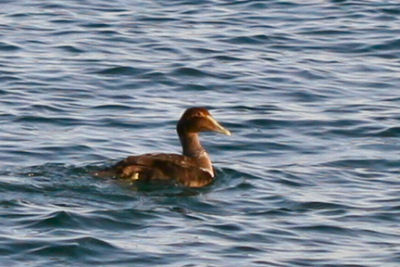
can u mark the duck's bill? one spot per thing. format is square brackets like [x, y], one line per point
[218, 127]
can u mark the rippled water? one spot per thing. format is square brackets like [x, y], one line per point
[310, 90]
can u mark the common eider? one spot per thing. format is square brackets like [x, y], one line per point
[191, 169]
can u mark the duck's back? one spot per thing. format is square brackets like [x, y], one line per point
[162, 166]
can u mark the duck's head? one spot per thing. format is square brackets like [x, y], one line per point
[199, 119]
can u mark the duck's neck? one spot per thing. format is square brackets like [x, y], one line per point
[192, 148]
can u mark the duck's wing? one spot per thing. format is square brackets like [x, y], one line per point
[162, 166]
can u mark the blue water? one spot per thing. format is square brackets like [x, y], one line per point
[309, 89]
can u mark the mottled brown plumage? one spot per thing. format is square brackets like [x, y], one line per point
[192, 169]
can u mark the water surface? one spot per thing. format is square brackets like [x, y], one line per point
[310, 90]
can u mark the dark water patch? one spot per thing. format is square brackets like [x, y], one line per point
[19, 15]
[246, 4]
[118, 123]
[159, 19]
[243, 249]
[195, 87]
[379, 164]
[251, 40]
[18, 186]
[53, 6]
[46, 108]
[228, 227]
[110, 9]
[7, 47]
[70, 48]
[290, 182]
[62, 21]
[320, 206]
[78, 247]
[116, 107]
[388, 45]
[325, 229]
[155, 75]
[228, 58]
[191, 72]
[95, 25]
[121, 70]
[379, 217]
[113, 35]
[389, 132]
[66, 148]
[65, 32]
[8, 78]
[346, 47]
[61, 219]
[203, 50]
[394, 10]
[256, 5]
[308, 96]
[47, 120]
[331, 32]
[165, 49]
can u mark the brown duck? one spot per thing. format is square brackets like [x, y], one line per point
[192, 169]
